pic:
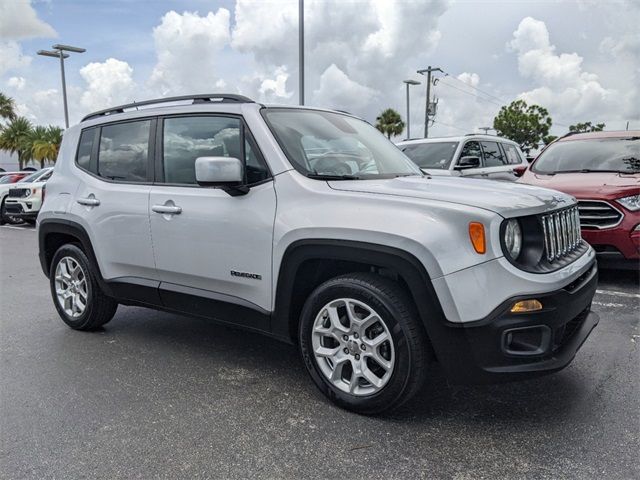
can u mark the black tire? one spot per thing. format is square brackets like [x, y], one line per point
[4, 218]
[99, 309]
[410, 343]
[30, 221]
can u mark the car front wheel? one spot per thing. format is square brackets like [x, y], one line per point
[363, 344]
[77, 296]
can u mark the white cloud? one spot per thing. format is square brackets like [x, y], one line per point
[276, 87]
[187, 46]
[108, 83]
[561, 84]
[16, 82]
[349, 46]
[338, 91]
[18, 20]
[12, 57]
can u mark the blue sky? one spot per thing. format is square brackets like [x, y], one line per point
[580, 59]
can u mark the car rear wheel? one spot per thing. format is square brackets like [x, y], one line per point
[77, 296]
[363, 344]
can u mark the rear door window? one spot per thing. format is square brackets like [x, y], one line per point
[493, 156]
[124, 151]
[512, 154]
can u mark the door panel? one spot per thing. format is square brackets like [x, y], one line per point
[213, 235]
[116, 216]
[113, 197]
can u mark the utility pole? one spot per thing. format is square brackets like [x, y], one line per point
[301, 50]
[409, 83]
[428, 71]
[58, 52]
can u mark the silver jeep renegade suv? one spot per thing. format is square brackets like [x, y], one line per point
[309, 226]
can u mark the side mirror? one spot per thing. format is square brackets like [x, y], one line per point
[223, 172]
[468, 162]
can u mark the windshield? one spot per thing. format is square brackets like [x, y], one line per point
[431, 155]
[326, 144]
[7, 178]
[620, 155]
[30, 178]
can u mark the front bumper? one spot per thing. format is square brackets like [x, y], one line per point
[623, 239]
[16, 208]
[482, 351]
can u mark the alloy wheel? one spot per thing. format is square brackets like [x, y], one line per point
[71, 287]
[353, 347]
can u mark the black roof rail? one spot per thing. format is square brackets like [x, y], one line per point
[202, 98]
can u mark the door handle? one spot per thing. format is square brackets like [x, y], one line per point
[167, 209]
[89, 201]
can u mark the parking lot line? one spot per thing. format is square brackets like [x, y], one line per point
[18, 228]
[618, 294]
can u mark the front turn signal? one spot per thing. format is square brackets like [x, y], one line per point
[476, 234]
[526, 306]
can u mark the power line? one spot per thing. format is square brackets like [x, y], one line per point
[469, 93]
[476, 88]
[449, 125]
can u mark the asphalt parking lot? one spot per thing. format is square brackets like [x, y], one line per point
[156, 395]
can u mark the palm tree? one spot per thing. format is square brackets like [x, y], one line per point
[14, 138]
[7, 107]
[390, 123]
[46, 144]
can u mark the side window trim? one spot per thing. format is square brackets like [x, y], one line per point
[245, 134]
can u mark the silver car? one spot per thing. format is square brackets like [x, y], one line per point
[479, 156]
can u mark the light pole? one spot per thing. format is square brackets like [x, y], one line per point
[58, 52]
[301, 50]
[409, 82]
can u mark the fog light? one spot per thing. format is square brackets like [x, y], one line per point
[526, 306]
[525, 341]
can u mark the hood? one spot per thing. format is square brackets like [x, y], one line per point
[605, 185]
[504, 198]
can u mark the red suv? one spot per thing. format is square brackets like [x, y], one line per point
[602, 170]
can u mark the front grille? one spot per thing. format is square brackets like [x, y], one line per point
[561, 233]
[19, 192]
[598, 214]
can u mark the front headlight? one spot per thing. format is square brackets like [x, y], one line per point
[513, 238]
[631, 202]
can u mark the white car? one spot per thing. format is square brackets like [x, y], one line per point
[308, 225]
[480, 156]
[24, 198]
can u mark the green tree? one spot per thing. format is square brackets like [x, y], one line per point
[14, 138]
[525, 124]
[46, 144]
[390, 123]
[586, 127]
[7, 107]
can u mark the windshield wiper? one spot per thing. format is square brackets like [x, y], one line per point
[322, 176]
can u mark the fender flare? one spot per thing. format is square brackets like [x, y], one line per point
[408, 267]
[67, 227]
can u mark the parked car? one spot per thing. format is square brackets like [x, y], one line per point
[602, 170]
[25, 198]
[310, 226]
[479, 156]
[6, 182]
